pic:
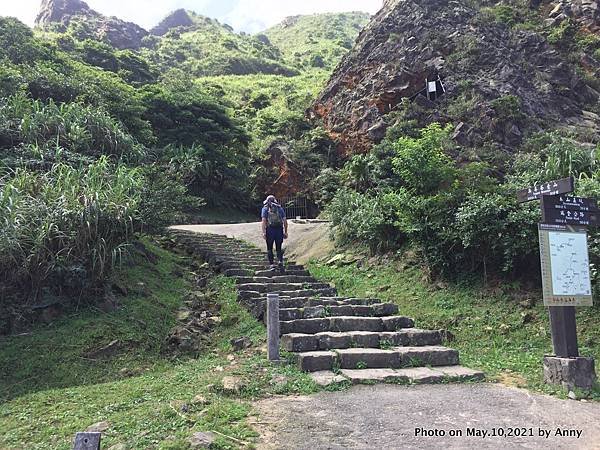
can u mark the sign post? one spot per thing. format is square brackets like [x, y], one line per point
[566, 280]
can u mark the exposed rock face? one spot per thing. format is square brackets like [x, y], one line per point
[585, 12]
[114, 31]
[61, 11]
[288, 178]
[410, 41]
[176, 19]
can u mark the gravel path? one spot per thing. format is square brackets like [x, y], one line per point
[386, 416]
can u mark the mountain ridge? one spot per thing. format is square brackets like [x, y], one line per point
[61, 15]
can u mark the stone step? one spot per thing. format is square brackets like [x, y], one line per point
[345, 323]
[245, 295]
[281, 287]
[341, 301]
[288, 271]
[303, 302]
[371, 358]
[217, 247]
[237, 265]
[276, 279]
[285, 302]
[258, 267]
[219, 259]
[329, 340]
[411, 375]
[240, 273]
[314, 312]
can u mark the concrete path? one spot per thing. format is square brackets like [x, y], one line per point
[305, 241]
[387, 416]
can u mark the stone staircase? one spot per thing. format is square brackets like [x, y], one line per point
[334, 338]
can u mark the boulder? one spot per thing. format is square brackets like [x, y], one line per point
[202, 440]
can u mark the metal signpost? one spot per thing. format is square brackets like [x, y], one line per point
[566, 280]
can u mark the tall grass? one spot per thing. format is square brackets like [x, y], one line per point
[84, 129]
[66, 227]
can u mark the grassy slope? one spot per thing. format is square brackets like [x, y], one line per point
[50, 391]
[266, 104]
[328, 36]
[494, 332]
[212, 49]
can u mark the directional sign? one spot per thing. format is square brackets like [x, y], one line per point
[568, 202]
[570, 211]
[555, 187]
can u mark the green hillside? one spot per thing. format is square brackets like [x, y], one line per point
[208, 48]
[319, 40]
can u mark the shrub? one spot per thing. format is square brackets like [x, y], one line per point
[366, 219]
[421, 163]
[325, 186]
[505, 14]
[495, 232]
[507, 107]
[563, 35]
[67, 227]
[164, 199]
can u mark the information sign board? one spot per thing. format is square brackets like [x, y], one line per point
[565, 264]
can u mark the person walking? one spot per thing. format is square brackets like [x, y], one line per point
[274, 230]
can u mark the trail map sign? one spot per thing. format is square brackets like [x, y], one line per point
[565, 266]
[556, 187]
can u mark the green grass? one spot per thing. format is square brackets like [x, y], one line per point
[50, 390]
[494, 329]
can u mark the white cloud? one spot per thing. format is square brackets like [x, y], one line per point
[256, 15]
[247, 15]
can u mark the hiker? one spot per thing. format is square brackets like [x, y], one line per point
[274, 229]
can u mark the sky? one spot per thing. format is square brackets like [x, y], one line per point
[244, 15]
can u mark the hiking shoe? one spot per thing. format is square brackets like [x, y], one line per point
[273, 268]
[281, 268]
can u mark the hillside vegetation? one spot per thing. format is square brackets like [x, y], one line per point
[113, 159]
[439, 175]
[318, 41]
[208, 48]
[120, 370]
[127, 131]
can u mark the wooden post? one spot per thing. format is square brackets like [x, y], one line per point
[87, 441]
[564, 331]
[273, 327]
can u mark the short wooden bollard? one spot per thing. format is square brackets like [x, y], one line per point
[87, 441]
[273, 327]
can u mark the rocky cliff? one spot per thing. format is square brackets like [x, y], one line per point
[62, 14]
[496, 83]
[177, 19]
[584, 12]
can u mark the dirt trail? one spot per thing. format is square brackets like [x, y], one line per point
[305, 241]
